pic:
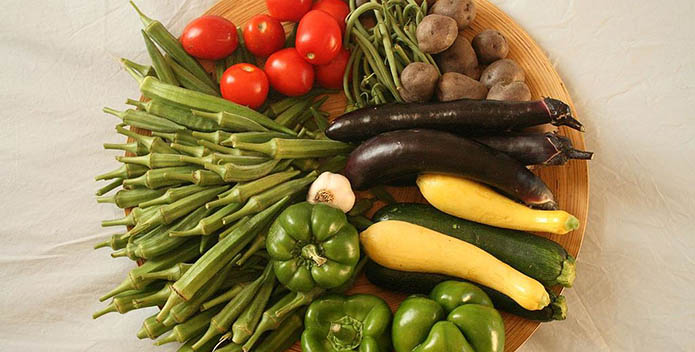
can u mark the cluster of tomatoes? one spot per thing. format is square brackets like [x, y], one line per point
[318, 54]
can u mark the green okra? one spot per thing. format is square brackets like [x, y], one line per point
[152, 328]
[213, 137]
[231, 122]
[115, 242]
[289, 116]
[261, 201]
[181, 137]
[175, 113]
[220, 323]
[306, 165]
[208, 347]
[334, 164]
[226, 150]
[220, 67]
[158, 178]
[154, 299]
[273, 317]
[283, 165]
[134, 147]
[110, 187]
[154, 160]
[217, 158]
[169, 274]
[124, 172]
[280, 148]
[224, 251]
[142, 70]
[135, 216]
[207, 242]
[246, 322]
[201, 178]
[127, 198]
[243, 191]
[192, 327]
[225, 297]
[161, 67]
[281, 105]
[129, 249]
[123, 302]
[164, 242]
[251, 137]
[171, 195]
[239, 173]
[255, 246]
[280, 339]
[160, 35]
[153, 144]
[191, 150]
[231, 229]
[190, 81]
[185, 253]
[321, 122]
[145, 120]
[155, 89]
[209, 224]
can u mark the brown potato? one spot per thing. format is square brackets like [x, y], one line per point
[514, 91]
[502, 71]
[460, 57]
[436, 33]
[490, 45]
[454, 86]
[419, 81]
[463, 11]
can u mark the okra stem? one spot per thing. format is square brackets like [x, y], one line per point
[170, 274]
[114, 242]
[142, 70]
[142, 119]
[153, 160]
[209, 224]
[181, 137]
[163, 70]
[109, 187]
[257, 245]
[225, 297]
[127, 198]
[172, 195]
[184, 331]
[289, 332]
[155, 299]
[153, 144]
[278, 148]
[231, 229]
[152, 328]
[134, 148]
[124, 172]
[213, 137]
[231, 122]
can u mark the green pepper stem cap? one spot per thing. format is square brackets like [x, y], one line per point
[311, 252]
[345, 333]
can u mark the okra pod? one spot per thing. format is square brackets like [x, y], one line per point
[116, 242]
[154, 299]
[207, 242]
[170, 212]
[118, 182]
[154, 160]
[275, 315]
[213, 137]
[244, 325]
[281, 148]
[281, 105]
[158, 178]
[135, 215]
[134, 147]
[192, 150]
[127, 198]
[169, 274]
[243, 191]
[255, 246]
[153, 144]
[142, 70]
[209, 224]
[251, 137]
[172, 46]
[175, 113]
[142, 119]
[289, 332]
[124, 172]
[225, 150]
[182, 137]
[238, 173]
[161, 67]
[231, 122]
[321, 122]
[155, 89]
[190, 81]
[165, 242]
[263, 200]
[123, 303]
[214, 259]
[152, 328]
[306, 165]
[217, 158]
[220, 323]
[202, 178]
[192, 327]
[225, 297]
[231, 229]
[208, 347]
[171, 195]
[289, 117]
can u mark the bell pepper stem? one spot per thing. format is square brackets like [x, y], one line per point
[311, 252]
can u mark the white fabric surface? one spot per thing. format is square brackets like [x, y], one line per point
[629, 66]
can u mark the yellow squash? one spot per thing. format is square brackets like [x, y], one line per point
[404, 246]
[473, 201]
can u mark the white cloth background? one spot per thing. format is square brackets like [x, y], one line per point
[629, 65]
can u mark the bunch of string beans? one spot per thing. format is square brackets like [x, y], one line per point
[201, 181]
[380, 52]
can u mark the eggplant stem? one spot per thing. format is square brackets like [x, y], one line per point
[579, 154]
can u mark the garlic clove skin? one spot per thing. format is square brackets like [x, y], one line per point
[333, 190]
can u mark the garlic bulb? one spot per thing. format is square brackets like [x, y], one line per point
[332, 189]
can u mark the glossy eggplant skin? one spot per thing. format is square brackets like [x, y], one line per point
[465, 117]
[396, 154]
[536, 148]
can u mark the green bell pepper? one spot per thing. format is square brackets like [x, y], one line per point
[458, 316]
[312, 245]
[355, 323]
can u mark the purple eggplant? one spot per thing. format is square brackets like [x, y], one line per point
[537, 148]
[466, 117]
[396, 154]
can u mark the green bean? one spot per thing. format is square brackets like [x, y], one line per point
[374, 60]
[225, 297]
[213, 260]
[125, 171]
[189, 80]
[174, 113]
[153, 144]
[115, 242]
[209, 224]
[238, 173]
[152, 328]
[243, 191]
[353, 19]
[155, 89]
[261, 201]
[274, 316]
[279, 148]
[153, 160]
[161, 67]
[142, 119]
[387, 45]
[142, 70]
[169, 274]
[258, 244]
[171, 195]
[154, 299]
[359, 54]
[172, 46]
[221, 322]
[158, 178]
[133, 147]
[289, 332]
[192, 327]
[231, 122]
[245, 324]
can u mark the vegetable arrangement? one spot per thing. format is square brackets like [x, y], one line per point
[238, 192]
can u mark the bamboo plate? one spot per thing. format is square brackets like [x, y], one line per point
[569, 183]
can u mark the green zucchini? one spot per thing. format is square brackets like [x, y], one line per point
[535, 256]
[423, 283]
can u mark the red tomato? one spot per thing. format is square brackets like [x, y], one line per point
[264, 35]
[210, 37]
[245, 84]
[318, 37]
[330, 75]
[288, 10]
[336, 8]
[288, 73]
